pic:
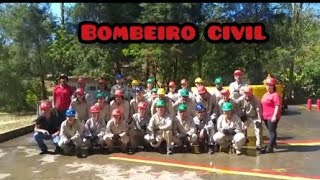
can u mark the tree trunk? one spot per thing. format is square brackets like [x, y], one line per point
[147, 71]
[62, 13]
[175, 68]
[43, 87]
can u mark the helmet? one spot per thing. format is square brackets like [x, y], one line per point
[182, 107]
[218, 80]
[227, 106]
[198, 80]
[102, 81]
[118, 92]
[271, 81]
[116, 112]
[237, 73]
[161, 91]
[184, 92]
[200, 107]
[70, 113]
[202, 89]
[154, 90]
[44, 106]
[150, 81]
[81, 80]
[172, 84]
[160, 103]
[61, 76]
[138, 89]
[80, 91]
[119, 76]
[225, 92]
[248, 89]
[135, 83]
[101, 94]
[142, 105]
[94, 109]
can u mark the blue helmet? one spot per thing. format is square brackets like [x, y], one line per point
[200, 107]
[119, 76]
[70, 113]
[137, 89]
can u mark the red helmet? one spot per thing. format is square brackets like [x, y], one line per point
[80, 91]
[102, 81]
[116, 112]
[237, 73]
[81, 80]
[225, 92]
[202, 89]
[172, 84]
[248, 89]
[271, 81]
[94, 109]
[142, 105]
[44, 106]
[118, 92]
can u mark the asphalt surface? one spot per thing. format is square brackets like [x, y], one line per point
[297, 157]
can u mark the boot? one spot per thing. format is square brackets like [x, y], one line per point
[211, 150]
[169, 150]
[216, 147]
[58, 150]
[131, 150]
[269, 150]
[80, 153]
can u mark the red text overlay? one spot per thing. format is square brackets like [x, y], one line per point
[90, 32]
[231, 32]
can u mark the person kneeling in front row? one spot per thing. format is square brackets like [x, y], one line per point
[94, 129]
[138, 127]
[184, 129]
[230, 130]
[70, 134]
[160, 127]
[117, 132]
[47, 128]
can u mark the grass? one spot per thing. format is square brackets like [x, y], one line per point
[9, 122]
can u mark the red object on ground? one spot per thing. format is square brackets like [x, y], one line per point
[318, 104]
[309, 104]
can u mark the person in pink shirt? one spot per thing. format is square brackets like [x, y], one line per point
[271, 111]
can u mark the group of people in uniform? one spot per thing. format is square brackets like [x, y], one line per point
[153, 119]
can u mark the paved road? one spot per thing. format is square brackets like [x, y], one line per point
[298, 157]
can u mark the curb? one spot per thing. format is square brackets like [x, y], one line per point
[16, 133]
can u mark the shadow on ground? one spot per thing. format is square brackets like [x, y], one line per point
[290, 113]
[289, 148]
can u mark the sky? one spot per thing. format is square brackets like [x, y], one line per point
[55, 8]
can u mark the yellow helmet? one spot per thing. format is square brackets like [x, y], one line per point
[135, 82]
[161, 91]
[198, 80]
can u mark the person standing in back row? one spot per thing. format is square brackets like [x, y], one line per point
[236, 87]
[62, 94]
[120, 86]
[271, 111]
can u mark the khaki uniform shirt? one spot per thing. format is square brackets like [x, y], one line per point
[124, 107]
[184, 127]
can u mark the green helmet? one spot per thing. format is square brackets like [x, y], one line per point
[184, 92]
[182, 107]
[154, 90]
[227, 106]
[218, 80]
[160, 103]
[150, 81]
[101, 94]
